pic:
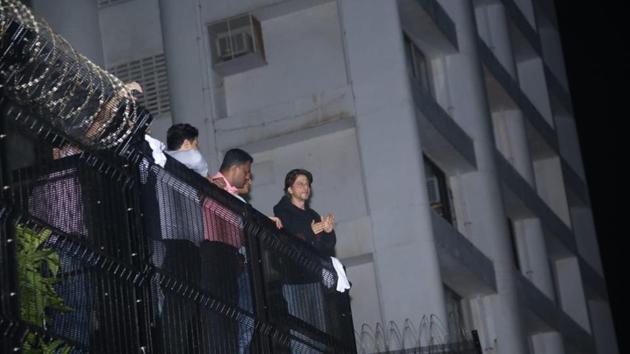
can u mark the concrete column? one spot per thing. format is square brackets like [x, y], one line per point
[490, 227]
[405, 256]
[188, 66]
[530, 230]
[547, 343]
[77, 22]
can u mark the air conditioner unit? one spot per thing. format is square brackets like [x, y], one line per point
[234, 44]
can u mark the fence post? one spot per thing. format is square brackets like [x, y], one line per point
[262, 341]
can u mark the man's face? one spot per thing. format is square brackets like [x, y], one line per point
[300, 189]
[242, 175]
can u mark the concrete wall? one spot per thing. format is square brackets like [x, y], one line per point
[304, 57]
[304, 83]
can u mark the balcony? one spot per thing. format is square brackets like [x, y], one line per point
[559, 93]
[159, 258]
[441, 136]
[521, 201]
[526, 33]
[463, 266]
[541, 136]
[103, 250]
[429, 26]
[543, 315]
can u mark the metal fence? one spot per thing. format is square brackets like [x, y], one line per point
[103, 251]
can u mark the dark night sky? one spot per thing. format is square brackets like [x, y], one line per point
[596, 55]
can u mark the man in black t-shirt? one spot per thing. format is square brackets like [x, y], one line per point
[303, 293]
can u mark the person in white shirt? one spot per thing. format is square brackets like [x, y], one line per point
[182, 141]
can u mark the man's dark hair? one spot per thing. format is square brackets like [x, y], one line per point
[177, 133]
[293, 175]
[235, 157]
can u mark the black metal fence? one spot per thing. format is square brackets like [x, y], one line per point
[103, 251]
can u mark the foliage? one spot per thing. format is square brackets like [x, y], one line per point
[38, 269]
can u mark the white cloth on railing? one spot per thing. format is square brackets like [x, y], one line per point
[157, 148]
[342, 280]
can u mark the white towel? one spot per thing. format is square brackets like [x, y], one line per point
[342, 280]
[157, 148]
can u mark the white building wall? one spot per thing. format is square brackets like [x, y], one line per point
[131, 31]
[489, 220]
[303, 84]
[77, 22]
[304, 58]
[404, 250]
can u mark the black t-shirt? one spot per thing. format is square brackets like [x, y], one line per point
[298, 222]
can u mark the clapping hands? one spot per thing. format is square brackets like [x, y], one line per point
[325, 224]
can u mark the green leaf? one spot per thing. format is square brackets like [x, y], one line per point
[36, 286]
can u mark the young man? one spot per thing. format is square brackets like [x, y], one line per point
[299, 219]
[303, 292]
[182, 141]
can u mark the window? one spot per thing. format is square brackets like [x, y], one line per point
[438, 192]
[419, 67]
[236, 44]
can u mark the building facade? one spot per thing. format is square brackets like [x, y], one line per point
[439, 132]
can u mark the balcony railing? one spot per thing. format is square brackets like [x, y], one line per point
[157, 258]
